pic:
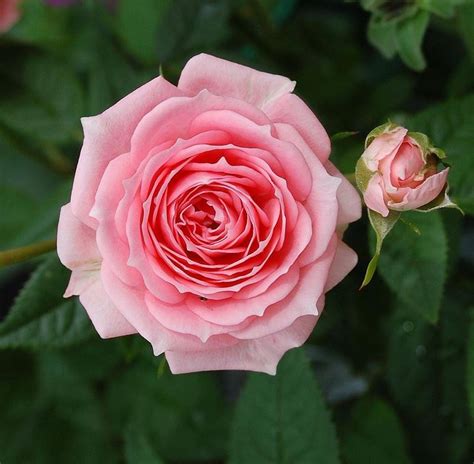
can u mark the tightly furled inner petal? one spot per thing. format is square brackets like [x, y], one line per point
[217, 219]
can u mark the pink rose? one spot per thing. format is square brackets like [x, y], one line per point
[9, 14]
[207, 218]
[402, 170]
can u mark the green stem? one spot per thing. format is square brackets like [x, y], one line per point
[17, 255]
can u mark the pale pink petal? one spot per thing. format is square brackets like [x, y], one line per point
[131, 303]
[230, 312]
[422, 194]
[300, 302]
[112, 246]
[373, 196]
[350, 206]
[260, 355]
[384, 145]
[77, 250]
[322, 202]
[178, 318]
[227, 79]
[344, 261]
[172, 120]
[107, 136]
[107, 320]
[76, 242]
[293, 111]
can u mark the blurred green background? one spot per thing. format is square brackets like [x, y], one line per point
[388, 374]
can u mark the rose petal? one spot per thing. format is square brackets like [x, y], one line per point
[344, 261]
[227, 79]
[293, 111]
[107, 136]
[77, 250]
[300, 302]
[383, 146]
[422, 194]
[260, 355]
[107, 320]
[348, 199]
[373, 196]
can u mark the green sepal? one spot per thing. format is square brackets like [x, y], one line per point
[362, 175]
[441, 201]
[425, 144]
[379, 130]
[343, 135]
[382, 226]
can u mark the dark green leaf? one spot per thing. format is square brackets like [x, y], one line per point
[40, 317]
[470, 364]
[49, 406]
[451, 126]
[138, 449]
[191, 406]
[138, 24]
[16, 208]
[49, 97]
[466, 24]
[381, 34]
[374, 434]
[283, 419]
[409, 39]
[415, 266]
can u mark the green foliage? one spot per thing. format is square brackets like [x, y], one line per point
[451, 126]
[191, 406]
[470, 364]
[414, 264]
[406, 342]
[400, 27]
[375, 434]
[432, 363]
[40, 317]
[138, 24]
[138, 449]
[46, 404]
[48, 94]
[283, 419]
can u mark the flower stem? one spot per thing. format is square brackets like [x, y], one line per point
[17, 255]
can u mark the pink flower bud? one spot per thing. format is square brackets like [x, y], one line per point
[399, 170]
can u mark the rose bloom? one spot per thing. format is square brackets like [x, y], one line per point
[207, 218]
[9, 14]
[404, 176]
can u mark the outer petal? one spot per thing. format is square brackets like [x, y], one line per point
[9, 14]
[107, 320]
[300, 302]
[227, 79]
[131, 304]
[107, 136]
[350, 206]
[344, 261]
[383, 146]
[77, 250]
[423, 194]
[290, 109]
[322, 202]
[261, 355]
[373, 196]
